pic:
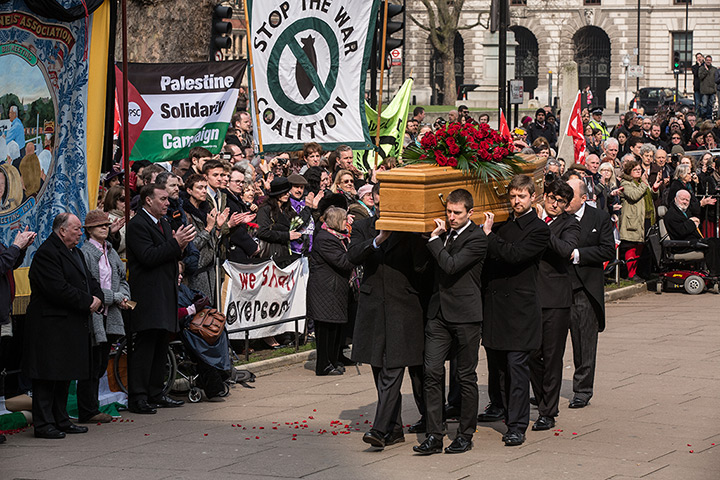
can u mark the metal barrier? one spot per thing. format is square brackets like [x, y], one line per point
[255, 327]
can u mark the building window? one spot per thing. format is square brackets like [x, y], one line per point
[682, 2]
[521, 3]
[682, 42]
[591, 2]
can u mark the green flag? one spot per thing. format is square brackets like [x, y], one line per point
[392, 128]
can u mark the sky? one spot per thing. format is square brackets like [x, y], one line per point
[17, 77]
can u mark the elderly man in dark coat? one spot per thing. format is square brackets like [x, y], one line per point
[389, 327]
[153, 251]
[57, 334]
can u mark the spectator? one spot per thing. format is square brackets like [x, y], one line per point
[706, 73]
[57, 344]
[11, 258]
[328, 290]
[198, 157]
[608, 188]
[419, 114]
[611, 151]
[312, 152]
[106, 326]
[344, 184]
[364, 206]
[153, 254]
[302, 213]
[540, 128]
[114, 205]
[636, 215]
[177, 217]
[240, 197]
[274, 228]
[699, 63]
[207, 223]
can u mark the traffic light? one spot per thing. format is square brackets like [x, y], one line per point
[393, 10]
[676, 60]
[220, 35]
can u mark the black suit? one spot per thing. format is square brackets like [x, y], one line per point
[678, 224]
[153, 257]
[390, 318]
[455, 317]
[595, 246]
[555, 292]
[513, 317]
[57, 335]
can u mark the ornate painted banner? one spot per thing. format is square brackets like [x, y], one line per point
[310, 61]
[51, 118]
[174, 107]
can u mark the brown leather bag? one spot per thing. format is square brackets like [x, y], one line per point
[208, 323]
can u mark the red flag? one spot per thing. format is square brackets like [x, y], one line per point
[139, 111]
[504, 129]
[576, 130]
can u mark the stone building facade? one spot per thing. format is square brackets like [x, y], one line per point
[597, 34]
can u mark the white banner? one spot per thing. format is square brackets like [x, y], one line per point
[310, 61]
[264, 293]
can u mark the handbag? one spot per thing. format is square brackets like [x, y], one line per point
[209, 324]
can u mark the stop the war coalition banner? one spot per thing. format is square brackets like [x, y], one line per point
[265, 293]
[174, 107]
[310, 59]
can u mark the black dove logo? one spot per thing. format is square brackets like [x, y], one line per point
[305, 85]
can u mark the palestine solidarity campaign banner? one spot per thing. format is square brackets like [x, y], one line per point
[176, 106]
[310, 61]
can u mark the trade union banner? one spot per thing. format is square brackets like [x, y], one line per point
[174, 107]
[393, 120]
[264, 293]
[310, 61]
[53, 84]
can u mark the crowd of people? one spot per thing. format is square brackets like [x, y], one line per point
[400, 299]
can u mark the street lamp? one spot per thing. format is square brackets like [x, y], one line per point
[626, 64]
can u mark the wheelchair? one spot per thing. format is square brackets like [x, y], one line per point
[680, 263]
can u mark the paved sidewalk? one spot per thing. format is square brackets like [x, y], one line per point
[654, 415]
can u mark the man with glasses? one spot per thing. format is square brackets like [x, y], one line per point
[555, 293]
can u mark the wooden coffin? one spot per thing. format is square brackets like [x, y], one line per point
[412, 197]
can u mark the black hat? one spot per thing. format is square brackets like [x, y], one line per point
[540, 110]
[597, 111]
[334, 200]
[278, 186]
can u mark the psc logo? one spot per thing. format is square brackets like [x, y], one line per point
[134, 113]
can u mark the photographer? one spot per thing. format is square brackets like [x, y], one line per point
[552, 171]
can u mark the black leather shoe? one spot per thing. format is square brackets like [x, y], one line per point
[142, 407]
[374, 438]
[51, 433]
[533, 401]
[543, 423]
[513, 439]
[451, 412]
[432, 444]
[340, 367]
[72, 428]
[394, 437]
[459, 445]
[492, 414]
[418, 427]
[329, 370]
[578, 402]
[165, 402]
[2, 438]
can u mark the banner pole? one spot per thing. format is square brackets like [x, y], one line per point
[126, 134]
[380, 92]
[252, 78]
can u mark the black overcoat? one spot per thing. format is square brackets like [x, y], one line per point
[10, 258]
[554, 282]
[329, 281]
[595, 246]
[153, 258]
[396, 285]
[57, 335]
[513, 317]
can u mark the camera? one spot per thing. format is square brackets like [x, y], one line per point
[550, 177]
[227, 156]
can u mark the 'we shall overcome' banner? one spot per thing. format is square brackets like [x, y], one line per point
[174, 107]
[264, 293]
[310, 61]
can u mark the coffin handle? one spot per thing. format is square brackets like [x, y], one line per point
[500, 189]
[442, 199]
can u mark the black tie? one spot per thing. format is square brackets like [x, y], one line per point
[450, 239]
